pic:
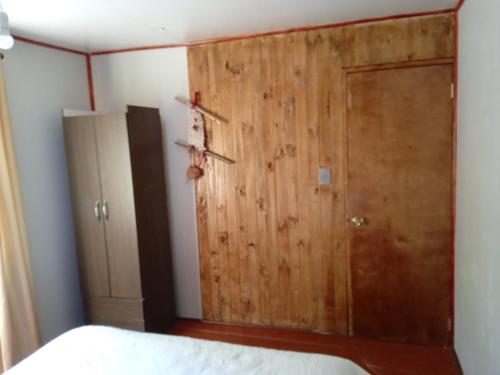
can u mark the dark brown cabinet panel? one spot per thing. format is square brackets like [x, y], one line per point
[120, 212]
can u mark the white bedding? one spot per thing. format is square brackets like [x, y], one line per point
[105, 350]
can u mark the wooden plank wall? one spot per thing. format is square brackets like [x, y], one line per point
[272, 241]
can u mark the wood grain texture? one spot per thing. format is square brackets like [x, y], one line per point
[83, 170]
[118, 192]
[376, 356]
[272, 240]
[120, 312]
[399, 123]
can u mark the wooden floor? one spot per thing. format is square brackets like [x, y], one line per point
[377, 357]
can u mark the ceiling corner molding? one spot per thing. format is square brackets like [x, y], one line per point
[49, 45]
[238, 36]
[277, 32]
[459, 5]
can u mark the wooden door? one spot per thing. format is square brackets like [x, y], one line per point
[83, 170]
[400, 137]
[118, 206]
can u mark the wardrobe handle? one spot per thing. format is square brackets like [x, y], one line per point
[105, 210]
[97, 210]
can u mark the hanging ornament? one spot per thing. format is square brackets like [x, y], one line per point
[196, 131]
[196, 140]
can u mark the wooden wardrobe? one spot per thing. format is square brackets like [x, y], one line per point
[119, 203]
[337, 215]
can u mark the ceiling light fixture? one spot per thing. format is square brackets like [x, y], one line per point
[6, 40]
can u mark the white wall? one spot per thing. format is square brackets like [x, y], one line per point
[153, 78]
[477, 290]
[39, 83]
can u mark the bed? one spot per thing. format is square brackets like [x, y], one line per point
[104, 350]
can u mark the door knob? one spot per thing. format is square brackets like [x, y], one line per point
[358, 221]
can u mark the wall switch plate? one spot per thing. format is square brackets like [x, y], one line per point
[325, 176]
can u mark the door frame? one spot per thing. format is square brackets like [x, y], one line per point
[388, 66]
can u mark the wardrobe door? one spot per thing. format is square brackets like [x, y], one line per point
[118, 206]
[400, 139]
[83, 170]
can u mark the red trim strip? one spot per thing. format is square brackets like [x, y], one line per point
[454, 182]
[48, 45]
[69, 50]
[276, 32]
[241, 36]
[459, 5]
[144, 48]
[88, 60]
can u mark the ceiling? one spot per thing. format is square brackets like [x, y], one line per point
[93, 25]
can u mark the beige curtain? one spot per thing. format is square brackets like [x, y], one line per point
[18, 328]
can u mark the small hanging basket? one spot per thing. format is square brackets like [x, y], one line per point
[195, 171]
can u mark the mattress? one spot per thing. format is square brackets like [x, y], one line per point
[105, 350]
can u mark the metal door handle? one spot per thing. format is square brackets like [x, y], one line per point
[358, 221]
[105, 210]
[97, 210]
